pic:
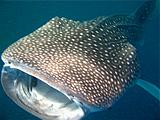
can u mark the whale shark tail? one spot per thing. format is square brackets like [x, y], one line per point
[143, 12]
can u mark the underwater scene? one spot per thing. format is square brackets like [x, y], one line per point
[84, 60]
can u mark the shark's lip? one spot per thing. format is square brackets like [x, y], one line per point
[17, 90]
[30, 70]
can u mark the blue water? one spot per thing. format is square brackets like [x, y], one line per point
[20, 18]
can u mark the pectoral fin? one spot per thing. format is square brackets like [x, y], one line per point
[150, 88]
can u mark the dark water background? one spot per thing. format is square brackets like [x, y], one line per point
[20, 18]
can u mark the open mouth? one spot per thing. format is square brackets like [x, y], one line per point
[39, 98]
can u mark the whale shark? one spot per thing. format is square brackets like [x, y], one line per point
[67, 69]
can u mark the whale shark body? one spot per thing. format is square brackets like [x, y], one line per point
[67, 69]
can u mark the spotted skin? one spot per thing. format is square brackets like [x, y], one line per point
[92, 61]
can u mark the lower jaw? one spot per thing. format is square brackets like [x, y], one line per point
[38, 98]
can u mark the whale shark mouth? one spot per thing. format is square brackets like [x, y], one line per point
[39, 98]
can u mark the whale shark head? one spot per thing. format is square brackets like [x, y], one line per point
[69, 66]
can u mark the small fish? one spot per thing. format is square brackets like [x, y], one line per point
[67, 69]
